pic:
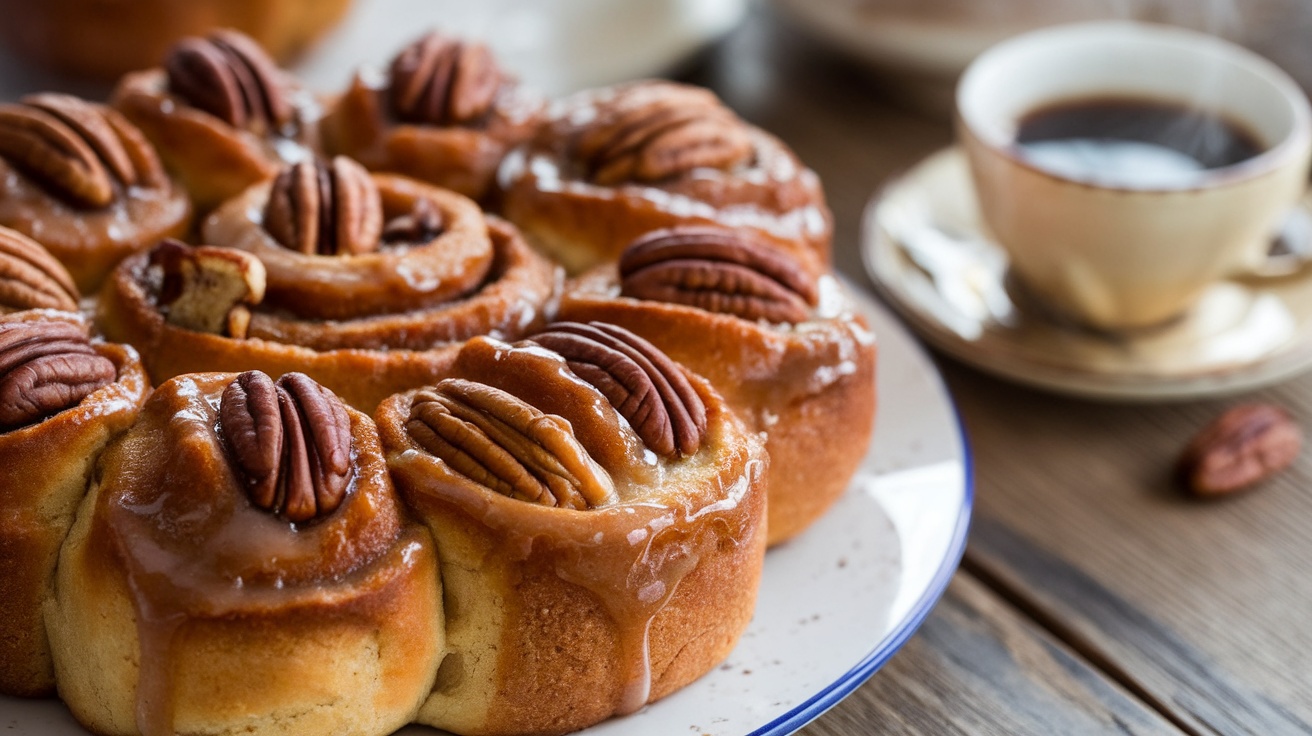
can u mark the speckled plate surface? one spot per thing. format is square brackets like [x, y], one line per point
[835, 603]
[927, 251]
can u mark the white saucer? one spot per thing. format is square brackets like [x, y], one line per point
[927, 251]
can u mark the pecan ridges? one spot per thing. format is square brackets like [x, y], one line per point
[718, 270]
[653, 132]
[82, 152]
[647, 388]
[31, 278]
[325, 208]
[1241, 448]
[439, 80]
[291, 443]
[46, 368]
[504, 443]
[229, 76]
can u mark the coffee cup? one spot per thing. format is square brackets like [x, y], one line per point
[1124, 222]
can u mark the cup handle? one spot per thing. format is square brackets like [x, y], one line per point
[1291, 248]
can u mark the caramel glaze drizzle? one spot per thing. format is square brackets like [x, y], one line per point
[196, 549]
[633, 554]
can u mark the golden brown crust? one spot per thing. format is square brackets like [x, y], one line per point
[213, 160]
[135, 204]
[558, 618]
[364, 360]
[179, 605]
[360, 124]
[74, 36]
[798, 384]
[545, 190]
[45, 469]
[387, 280]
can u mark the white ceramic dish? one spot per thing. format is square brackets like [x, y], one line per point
[929, 254]
[835, 603]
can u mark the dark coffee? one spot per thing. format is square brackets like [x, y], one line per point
[1135, 143]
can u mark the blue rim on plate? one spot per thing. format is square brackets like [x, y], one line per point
[816, 705]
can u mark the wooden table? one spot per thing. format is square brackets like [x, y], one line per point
[1094, 596]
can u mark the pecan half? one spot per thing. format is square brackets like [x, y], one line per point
[1242, 447]
[45, 368]
[498, 440]
[439, 80]
[325, 208]
[207, 289]
[720, 271]
[291, 443]
[655, 131]
[78, 150]
[229, 76]
[420, 225]
[31, 278]
[647, 388]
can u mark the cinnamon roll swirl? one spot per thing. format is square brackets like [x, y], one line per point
[363, 282]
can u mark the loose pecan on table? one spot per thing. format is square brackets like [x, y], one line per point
[229, 76]
[325, 208]
[31, 278]
[291, 443]
[84, 153]
[439, 80]
[720, 271]
[1241, 448]
[46, 368]
[647, 388]
[502, 442]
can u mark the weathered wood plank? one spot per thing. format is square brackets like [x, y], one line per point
[979, 668]
[1204, 607]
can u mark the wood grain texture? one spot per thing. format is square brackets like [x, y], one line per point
[1202, 606]
[978, 668]
[1202, 610]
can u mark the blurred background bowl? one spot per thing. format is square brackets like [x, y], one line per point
[918, 48]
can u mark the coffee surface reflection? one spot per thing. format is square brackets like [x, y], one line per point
[1132, 143]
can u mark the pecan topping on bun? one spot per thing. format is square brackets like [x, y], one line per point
[45, 368]
[229, 76]
[291, 443]
[439, 80]
[654, 131]
[720, 271]
[647, 388]
[498, 440]
[325, 208]
[84, 153]
[31, 278]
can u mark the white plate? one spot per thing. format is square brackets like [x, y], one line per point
[835, 603]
